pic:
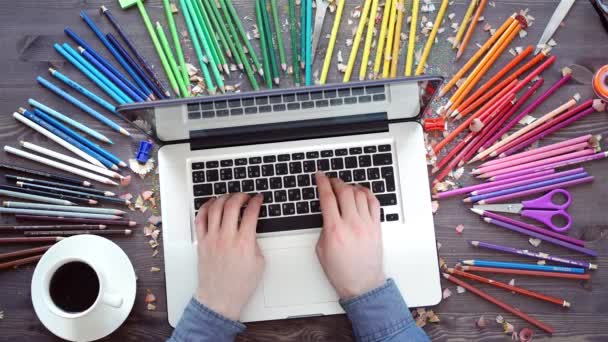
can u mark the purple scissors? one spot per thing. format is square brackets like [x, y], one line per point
[544, 209]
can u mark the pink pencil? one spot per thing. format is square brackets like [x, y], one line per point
[471, 188]
[537, 190]
[556, 159]
[511, 185]
[542, 98]
[597, 156]
[533, 157]
[539, 150]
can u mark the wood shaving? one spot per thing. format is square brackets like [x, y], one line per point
[349, 42]
[150, 297]
[512, 52]
[435, 206]
[126, 197]
[519, 49]
[481, 18]
[451, 16]
[155, 234]
[523, 33]
[1, 314]
[192, 70]
[439, 245]
[500, 319]
[508, 328]
[339, 56]
[141, 169]
[155, 253]
[534, 242]
[446, 293]
[552, 42]
[458, 173]
[577, 97]
[153, 243]
[125, 181]
[481, 322]
[492, 3]
[155, 220]
[154, 269]
[476, 125]
[139, 203]
[342, 67]
[526, 334]
[487, 27]
[174, 9]
[442, 264]
[146, 195]
[599, 105]
[432, 317]
[526, 120]
[148, 230]
[151, 307]
[460, 289]
[356, 12]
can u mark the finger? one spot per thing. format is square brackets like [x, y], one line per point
[373, 205]
[249, 221]
[216, 210]
[201, 220]
[361, 202]
[327, 198]
[346, 198]
[232, 211]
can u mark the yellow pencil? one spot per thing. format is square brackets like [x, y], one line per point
[463, 25]
[388, 50]
[332, 42]
[431, 40]
[412, 39]
[371, 23]
[356, 42]
[397, 38]
[382, 37]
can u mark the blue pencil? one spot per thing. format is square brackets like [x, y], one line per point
[46, 125]
[84, 141]
[69, 121]
[142, 85]
[81, 105]
[522, 266]
[308, 42]
[109, 89]
[104, 62]
[84, 91]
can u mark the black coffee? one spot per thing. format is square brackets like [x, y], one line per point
[74, 287]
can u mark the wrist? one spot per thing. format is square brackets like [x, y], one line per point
[218, 305]
[349, 292]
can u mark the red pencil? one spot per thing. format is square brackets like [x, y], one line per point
[499, 303]
[496, 283]
[585, 276]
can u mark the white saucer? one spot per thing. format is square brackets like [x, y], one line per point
[120, 278]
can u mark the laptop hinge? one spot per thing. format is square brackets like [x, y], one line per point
[286, 131]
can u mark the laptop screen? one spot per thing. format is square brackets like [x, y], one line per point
[183, 120]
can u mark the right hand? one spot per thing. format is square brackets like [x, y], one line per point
[350, 246]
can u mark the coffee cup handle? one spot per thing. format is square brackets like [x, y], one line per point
[112, 300]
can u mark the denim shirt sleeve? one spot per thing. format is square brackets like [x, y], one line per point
[201, 324]
[382, 315]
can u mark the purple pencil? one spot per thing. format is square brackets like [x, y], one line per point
[481, 186]
[537, 163]
[597, 156]
[528, 226]
[542, 98]
[527, 181]
[524, 193]
[540, 236]
[531, 254]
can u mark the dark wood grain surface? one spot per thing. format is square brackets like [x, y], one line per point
[29, 28]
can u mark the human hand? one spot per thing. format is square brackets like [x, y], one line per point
[230, 263]
[350, 246]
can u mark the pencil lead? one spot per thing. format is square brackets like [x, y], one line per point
[124, 132]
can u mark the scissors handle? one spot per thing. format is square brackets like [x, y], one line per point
[547, 202]
[547, 217]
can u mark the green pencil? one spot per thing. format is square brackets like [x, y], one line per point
[216, 17]
[294, 41]
[218, 54]
[208, 47]
[227, 4]
[178, 46]
[167, 49]
[197, 48]
[263, 42]
[271, 48]
[217, 34]
[279, 34]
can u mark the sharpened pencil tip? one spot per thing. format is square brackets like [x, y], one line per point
[102, 226]
[487, 219]
[109, 194]
[92, 202]
[86, 183]
[473, 243]
[445, 275]
[125, 132]
[477, 211]
[132, 223]
[435, 169]
[475, 172]
[103, 9]
[122, 164]
[566, 304]
[467, 200]
[128, 231]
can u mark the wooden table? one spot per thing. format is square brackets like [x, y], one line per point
[29, 28]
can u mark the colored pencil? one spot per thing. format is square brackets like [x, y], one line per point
[279, 35]
[177, 43]
[518, 167]
[471, 29]
[45, 174]
[357, 41]
[160, 90]
[468, 189]
[60, 138]
[181, 85]
[533, 181]
[236, 20]
[294, 42]
[368, 39]
[19, 262]
[381, 37]
[388, 49]
[482, 50]
[75, 220]
[500, 304]
[222, 32]
[23, 252]
[532, 254]
[57, 213]
[302, 54]
[211, 37]
[396, 37]
[264, 44]
[4, 241]
[74, 193]
[197, 48]
[515, 289]
[431, 39]
[14, 178]
[523, 266]
[332, 41]
[37, 206]
[72, 199]
[537, 190]
[85, 108]
[273, 72]
[464, 23]
[204, 36]
[308, 46]
[78, 232]
[84, 91]
[44, 199]
[409, 62]
[526, 272]
[21, 228]
[58, 165]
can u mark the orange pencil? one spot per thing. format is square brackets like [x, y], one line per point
[482, 50]
[585, 276]
[471, 28]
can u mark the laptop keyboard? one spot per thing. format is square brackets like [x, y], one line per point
[209, 108]
[288, 184]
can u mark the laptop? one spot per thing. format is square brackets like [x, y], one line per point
[272, 142]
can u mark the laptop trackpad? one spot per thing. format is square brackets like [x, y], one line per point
[294, 276]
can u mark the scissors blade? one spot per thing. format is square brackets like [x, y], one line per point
[319, 18]
[513, 208]
[558, 16]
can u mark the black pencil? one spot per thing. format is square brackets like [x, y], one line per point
[59, 185]
[78, 232]
[45, 174]
[75, 220]
[49, 194]
[16, 228]
[79, 194]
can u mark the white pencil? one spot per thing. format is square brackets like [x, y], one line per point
[39, 206]
[36, 198]
[58, 213]
[69, 159]
[56, 139]
[58, 165]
